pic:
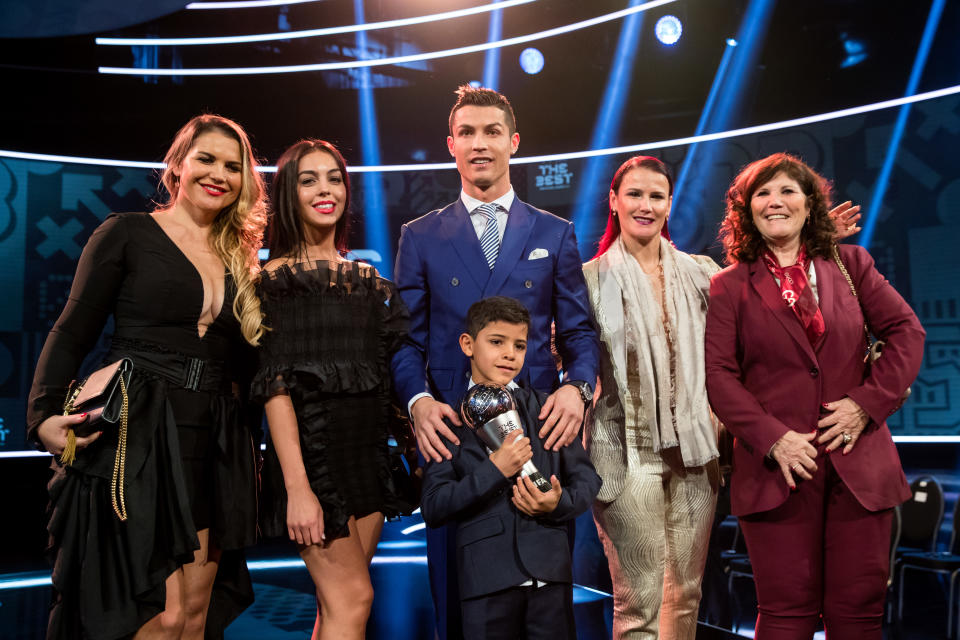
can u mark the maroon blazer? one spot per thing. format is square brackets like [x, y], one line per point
[764, 378]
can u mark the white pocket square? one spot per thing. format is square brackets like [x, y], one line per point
[536, 254]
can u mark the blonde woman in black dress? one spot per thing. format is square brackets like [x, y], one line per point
[325, 381]
[179, 283]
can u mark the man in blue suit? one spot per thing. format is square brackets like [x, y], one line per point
[487, 243]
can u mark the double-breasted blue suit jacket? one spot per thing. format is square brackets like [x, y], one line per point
[441, 270]
[497, 545]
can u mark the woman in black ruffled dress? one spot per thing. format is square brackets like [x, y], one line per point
[179, 283]
[325, 381]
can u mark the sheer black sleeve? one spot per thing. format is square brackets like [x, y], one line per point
[93, 295]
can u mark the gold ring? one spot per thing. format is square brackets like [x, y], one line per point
[847, 438]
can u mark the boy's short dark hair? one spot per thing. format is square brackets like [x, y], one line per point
[469, 96]
[495, 309]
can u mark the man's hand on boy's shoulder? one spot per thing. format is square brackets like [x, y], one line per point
[533, 502]
[431, 419]
[512, 455]
[562, 416]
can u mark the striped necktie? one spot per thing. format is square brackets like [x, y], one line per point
[490, 238]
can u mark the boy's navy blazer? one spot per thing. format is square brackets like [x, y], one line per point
[441, 271]
[498, 546]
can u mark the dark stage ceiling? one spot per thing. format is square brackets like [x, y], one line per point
[814, 56]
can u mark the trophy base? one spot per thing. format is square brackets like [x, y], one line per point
[541, 483]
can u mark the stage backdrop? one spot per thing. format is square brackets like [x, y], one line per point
[48, 209]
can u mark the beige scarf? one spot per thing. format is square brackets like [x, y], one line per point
[682, 417]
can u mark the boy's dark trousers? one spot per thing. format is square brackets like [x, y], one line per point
[521, 613]
[497, 548]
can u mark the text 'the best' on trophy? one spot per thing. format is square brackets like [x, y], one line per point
[491, 411]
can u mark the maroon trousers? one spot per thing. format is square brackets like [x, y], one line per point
[820, 553]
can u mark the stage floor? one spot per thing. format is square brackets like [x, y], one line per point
[285, 606]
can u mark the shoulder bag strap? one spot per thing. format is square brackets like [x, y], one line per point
[853, 290]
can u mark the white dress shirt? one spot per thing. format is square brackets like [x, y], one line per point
[510, 385]
[480, 221]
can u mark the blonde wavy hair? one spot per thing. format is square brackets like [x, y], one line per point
[237, 232]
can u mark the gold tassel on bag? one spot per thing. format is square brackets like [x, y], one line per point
[70, 449]
[69, 453]
[98, 398]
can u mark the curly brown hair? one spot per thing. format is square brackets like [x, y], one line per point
[740, 237]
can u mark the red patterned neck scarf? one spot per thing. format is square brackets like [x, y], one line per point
[796, 293]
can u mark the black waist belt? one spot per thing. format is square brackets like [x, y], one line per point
[187, 372]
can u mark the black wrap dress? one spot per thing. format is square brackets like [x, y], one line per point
[190, 460]
[333, 329]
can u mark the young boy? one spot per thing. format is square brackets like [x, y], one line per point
[513, 557]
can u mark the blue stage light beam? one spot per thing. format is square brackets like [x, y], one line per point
[681, 179]
[883, 179]
[491, 63]
[374, 203]
[589, 210]
[25, 580]
[726, 97]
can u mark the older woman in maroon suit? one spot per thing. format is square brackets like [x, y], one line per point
[816, 474]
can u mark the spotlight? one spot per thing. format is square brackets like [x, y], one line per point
[854, 50]
[531, 60]
[668, 29]
[732, 42]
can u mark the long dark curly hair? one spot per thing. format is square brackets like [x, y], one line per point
[740, 237]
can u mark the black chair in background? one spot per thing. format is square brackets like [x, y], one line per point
[737, 549]
[895, 532]
[922, 516]
[737, 565]
[943, 563]
[725, 539]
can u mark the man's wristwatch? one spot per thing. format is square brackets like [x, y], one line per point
[586, 393]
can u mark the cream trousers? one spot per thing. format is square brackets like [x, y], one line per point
[655, 535]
